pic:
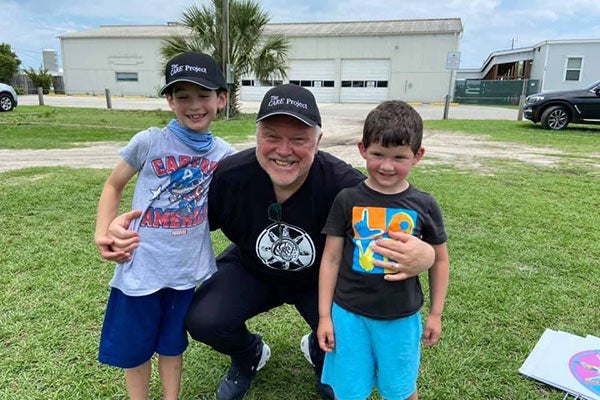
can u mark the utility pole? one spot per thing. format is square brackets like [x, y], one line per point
[225, 54]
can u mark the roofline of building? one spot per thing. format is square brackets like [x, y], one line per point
[274, 27]
[530, 48]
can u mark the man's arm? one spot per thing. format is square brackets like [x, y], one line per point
[412, 255]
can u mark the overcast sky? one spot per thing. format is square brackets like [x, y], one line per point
[30, 26]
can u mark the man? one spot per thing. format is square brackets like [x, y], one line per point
[271, 202]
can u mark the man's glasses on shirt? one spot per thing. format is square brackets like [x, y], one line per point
[274, 213]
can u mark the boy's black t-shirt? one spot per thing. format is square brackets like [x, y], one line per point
[242, 204]
[361, 215]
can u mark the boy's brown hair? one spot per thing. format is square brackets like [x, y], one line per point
[393, 123]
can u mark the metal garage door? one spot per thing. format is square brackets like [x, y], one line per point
[364, 81]
[316, 75]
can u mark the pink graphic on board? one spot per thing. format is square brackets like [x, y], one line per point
[585, 367]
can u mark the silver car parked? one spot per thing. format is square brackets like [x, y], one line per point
[8, 97]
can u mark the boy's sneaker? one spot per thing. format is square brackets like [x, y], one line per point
[325, 391]
[237, 381]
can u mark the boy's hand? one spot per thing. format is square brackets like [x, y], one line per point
[124, 239]
[104, 245]
[325, 334]
[433, 330]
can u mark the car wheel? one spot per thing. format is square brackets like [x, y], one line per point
[555, 117]
[6, 102]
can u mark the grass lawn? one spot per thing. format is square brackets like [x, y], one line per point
[524, 250]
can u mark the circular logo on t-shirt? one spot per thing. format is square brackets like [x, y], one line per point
[285, 247]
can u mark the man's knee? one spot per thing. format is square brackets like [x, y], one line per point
[206, 325]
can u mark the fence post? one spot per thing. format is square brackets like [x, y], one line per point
[522, 99]
[108, 99]
[40, 96]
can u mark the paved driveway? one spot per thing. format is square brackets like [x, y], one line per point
[355, 111]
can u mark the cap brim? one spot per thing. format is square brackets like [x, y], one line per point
[302, 118]
[202, 82]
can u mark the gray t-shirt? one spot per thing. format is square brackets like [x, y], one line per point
[175, 249]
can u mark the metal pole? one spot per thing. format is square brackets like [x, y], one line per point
[225, 58]
[448, 96]
[446, 105]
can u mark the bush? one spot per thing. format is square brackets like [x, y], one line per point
[41, 78]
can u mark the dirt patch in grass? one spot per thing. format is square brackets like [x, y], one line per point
[340, 138]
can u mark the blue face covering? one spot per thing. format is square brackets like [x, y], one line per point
[198, 141]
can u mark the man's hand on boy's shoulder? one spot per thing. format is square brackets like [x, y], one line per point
[409, 256]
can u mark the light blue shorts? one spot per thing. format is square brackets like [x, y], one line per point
[370, 352]
[137, 327]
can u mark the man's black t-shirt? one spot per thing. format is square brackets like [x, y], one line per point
[280, 243]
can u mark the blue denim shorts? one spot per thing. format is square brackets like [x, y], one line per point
[137, 327]
[370, 352]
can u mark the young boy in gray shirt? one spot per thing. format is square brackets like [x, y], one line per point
[151, 291]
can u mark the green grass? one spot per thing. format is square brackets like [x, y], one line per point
[524, 249]
[574, 139]
[44, 127]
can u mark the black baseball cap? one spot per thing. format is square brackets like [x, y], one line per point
[293, 100]
[194, 67]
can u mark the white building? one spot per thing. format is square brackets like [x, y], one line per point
[339, 61]
[556, 64]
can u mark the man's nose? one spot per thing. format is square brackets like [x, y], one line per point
[284, 147]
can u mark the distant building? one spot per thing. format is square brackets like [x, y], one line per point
[555, 64]
[338, 61]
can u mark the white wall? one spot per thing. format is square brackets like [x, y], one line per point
[90, 65]
[550, 64]
[417, 62]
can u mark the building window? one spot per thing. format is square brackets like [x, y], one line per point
[573, 71]
[256, 82]
[365, 84]
[315, 84]
[126, 76]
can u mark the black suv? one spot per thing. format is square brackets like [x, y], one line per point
[556, 109]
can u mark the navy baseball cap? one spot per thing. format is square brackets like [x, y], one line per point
[194, 67]
[293, 100]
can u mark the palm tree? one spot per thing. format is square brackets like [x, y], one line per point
[250, 51]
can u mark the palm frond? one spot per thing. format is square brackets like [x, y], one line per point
[250, 51]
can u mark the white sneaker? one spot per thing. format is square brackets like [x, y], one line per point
[264, 357]
[305, 347]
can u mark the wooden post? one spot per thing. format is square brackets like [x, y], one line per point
[108, 100]
[522, 99]
[40, 96]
